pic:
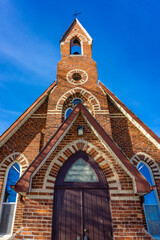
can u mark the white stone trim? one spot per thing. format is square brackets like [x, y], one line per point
[91, 146]
[84, 30]
[31, 196]
[102, 112]
[78, 35]
[82, 91]
[12, 157]
[124, 198]
[50, 152]
[147, 159]
[113, 154]
[121, 191]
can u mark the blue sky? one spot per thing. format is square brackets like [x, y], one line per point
[126, 47]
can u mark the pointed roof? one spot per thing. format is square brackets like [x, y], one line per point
[132, 117]
[24, 183]
[24, 117]
[70, 27]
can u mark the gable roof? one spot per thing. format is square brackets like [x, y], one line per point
[24, 117]
[23, 184]
[132, 117]
[70, 27]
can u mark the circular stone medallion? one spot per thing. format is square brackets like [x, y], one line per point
[77, 76]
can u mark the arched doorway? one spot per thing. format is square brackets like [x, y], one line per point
[81, 207]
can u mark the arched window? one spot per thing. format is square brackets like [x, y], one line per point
[8, 207]
[69, 110]
[77, 100]
[67, 113]
[75, 47]
[151, 203]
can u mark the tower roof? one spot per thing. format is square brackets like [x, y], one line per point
[71, 26]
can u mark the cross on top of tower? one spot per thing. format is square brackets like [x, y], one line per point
[76, 14]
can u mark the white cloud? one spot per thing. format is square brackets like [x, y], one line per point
[9, 112]
[20, 46]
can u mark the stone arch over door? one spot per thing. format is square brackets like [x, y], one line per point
[103, 161]
[81, 208]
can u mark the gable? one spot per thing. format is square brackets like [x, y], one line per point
[70, 31]
[23, 185]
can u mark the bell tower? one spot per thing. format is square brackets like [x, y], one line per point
[76, 66]
[76, 81]
[76, 41]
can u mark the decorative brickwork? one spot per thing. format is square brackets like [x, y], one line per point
[155, 169]
[86, 95]
[5, 164]
[41, 141]
[71, 148]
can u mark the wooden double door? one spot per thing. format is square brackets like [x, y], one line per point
[81, 210]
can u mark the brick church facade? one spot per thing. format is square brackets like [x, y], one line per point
[71, 166]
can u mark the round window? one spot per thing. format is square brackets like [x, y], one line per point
[76, 76]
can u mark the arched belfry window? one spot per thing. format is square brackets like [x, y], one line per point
[75, 47]
[151, 203]
[8, 206]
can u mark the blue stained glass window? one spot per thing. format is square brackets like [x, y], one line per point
[67, 113]
[9, 201]
[12, 178]
[76, 101]
[151, 204]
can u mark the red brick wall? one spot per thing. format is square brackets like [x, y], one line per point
[127, 218]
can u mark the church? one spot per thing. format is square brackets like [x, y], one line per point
[78, 164]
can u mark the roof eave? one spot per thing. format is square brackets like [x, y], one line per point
[131, 116]
[69, 28]
[24, 117]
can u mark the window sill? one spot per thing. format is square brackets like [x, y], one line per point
[4, 237]
[78, 55]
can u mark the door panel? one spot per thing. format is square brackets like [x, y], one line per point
[67, 223]
[97, 220]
